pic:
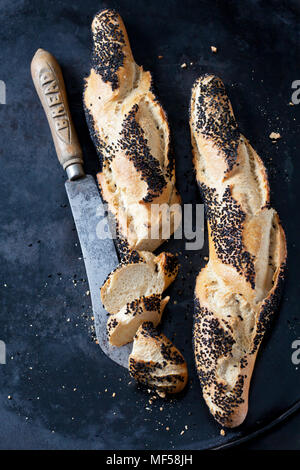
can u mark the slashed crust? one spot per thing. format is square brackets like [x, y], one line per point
[238, 291]
[131, 134]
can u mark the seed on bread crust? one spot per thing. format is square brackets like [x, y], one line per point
[156, 362]
[122, 326]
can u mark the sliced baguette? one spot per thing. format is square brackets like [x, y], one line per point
[142, 274]
[122, 326]
[156, 362]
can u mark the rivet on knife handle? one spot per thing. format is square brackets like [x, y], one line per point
[49, 83]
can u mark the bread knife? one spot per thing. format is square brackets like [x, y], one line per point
[100, 256]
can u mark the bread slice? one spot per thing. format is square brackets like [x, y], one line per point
[122, 326]
[142, 274]
[131, 134]
[238, 291]
[156, 362]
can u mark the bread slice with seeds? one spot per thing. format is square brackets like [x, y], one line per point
[131, 135]
[156, 362]
[141, 274]
[237, 292]
[122, 326]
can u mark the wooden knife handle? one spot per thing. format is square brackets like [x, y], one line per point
[49, 83]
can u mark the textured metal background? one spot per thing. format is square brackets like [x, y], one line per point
[62, 385]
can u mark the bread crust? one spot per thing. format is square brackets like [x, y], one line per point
[156, 362]
[122, 326]
[140, 274]
[131, 134]
[238, 291]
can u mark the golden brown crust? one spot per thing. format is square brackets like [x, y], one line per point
[156, 362]
[238, 291]
[122, 326]
[131, 134]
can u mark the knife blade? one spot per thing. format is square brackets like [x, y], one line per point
[99, 253]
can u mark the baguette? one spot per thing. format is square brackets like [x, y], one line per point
[141, 274]
[237, 292]
[131, 134]
[156, 362]
[122, 326]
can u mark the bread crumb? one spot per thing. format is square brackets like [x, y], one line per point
[182, 432]
[214, 49]
[183, 66]
[167, 428]
[114, 394]
[222, 432]
[87, 292]
[161, 394]
[9, 397]
[275, 136]
[160, 56]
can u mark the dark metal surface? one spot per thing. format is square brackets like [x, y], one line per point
[61, 385]
[252, 434]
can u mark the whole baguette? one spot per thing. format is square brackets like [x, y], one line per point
[131, 135]
[237, 292]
